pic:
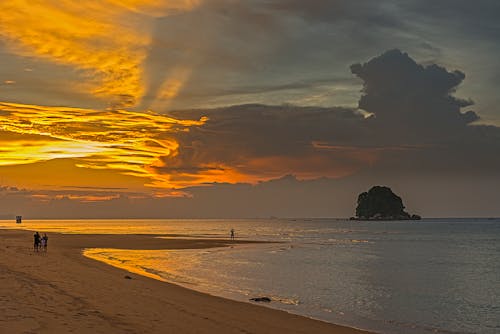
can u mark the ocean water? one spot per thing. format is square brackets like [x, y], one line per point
[430, 276]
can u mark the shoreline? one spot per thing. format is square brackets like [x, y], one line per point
[95, 254]
[63, 291]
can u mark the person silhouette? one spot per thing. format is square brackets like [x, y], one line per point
[36, 241]
[232, 234]
[45, 239]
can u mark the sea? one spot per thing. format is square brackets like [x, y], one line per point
[428, 276]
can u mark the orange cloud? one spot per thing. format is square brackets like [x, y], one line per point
[108, 39]
[131, 143]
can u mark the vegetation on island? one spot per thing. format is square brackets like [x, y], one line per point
[380, 203]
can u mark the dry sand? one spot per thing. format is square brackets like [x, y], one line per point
[64, 292]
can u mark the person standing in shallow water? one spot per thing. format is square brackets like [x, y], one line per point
[36, 241]
[232, 234]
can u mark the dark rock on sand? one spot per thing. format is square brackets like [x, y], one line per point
[261, 299]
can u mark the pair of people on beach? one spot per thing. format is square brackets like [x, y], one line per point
[40, 243]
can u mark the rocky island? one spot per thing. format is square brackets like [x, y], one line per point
[380, 203]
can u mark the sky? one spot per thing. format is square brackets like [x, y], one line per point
[243, 109]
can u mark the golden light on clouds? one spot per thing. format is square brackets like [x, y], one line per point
[131, 143]
[128, 57]
[25, 152]
[107, 39]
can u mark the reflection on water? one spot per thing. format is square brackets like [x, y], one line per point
[209, 270]
[163, 265]
[138, 262]
[395, 277]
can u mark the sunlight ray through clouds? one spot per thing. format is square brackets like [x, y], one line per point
[107, 39]
[130, 142]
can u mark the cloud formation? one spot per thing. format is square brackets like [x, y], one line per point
[108, 42]
[407, 113]
[258, 142]
[131, 143]
[410, 130]
[164, 55]
[397, 89]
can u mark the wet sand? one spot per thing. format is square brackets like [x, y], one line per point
[62, 291]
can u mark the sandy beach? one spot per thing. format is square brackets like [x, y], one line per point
[64, 292]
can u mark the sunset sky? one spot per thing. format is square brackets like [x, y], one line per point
[257, 108]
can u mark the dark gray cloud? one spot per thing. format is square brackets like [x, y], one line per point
[417, 124]
[251, 51]
[414, 105]
[398, 90]
[276, 51]
[422, 140]
[267, 141]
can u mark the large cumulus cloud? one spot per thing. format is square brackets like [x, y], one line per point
[408, 119]
[414, 104]
[397, 89]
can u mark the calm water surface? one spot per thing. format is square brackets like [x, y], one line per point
[393, 277]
